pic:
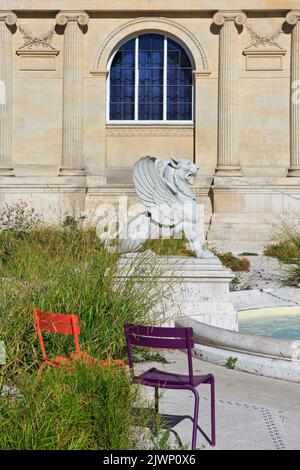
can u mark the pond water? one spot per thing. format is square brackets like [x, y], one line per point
[275, 322]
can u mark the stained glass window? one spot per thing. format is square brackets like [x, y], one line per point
[151, 79]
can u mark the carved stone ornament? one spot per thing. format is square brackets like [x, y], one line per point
[262, 39]
[9, 17]
[293, 17]
[63, 17]
[36, 40]
[239, 17]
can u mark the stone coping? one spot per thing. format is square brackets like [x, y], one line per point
[172, 267]
[144, 5]
[240, 342]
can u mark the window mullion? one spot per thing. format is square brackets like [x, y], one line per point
[136, 81]
[165, 81]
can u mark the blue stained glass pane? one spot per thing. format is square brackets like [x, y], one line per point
[173, 58]
[122, 79]
[172, 76]
[179, 94]
[144, 59]
[115, 111]
[122, 93]
[144, 111]
[115, 76]
[157, 94]
[157, 59]
[184, 59]
[144, 77]
[179, 111]
[128, 59]
[117, 60]
[151, 111]
[128, 46]
[157, 42]
[128, 76]
[157, 111]
[115, 93]
[157, 76]
[179, 77]
[144, 94]
[145, 42]
[172, 45]
[185, 77]
[150, 94]
[128, 111]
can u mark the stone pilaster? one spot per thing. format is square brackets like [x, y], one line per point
[72, 148]
[228, 151]
[293, 18]
[7, 18]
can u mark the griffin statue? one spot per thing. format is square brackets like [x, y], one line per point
[171, 207]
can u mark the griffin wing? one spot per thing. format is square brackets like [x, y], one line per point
[155, 192]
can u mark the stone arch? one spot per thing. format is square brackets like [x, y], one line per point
[163, 25]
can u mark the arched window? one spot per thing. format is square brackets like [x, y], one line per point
[151, 79]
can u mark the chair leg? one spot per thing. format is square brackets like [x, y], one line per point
[156, 408]
[213, 411]
[195, 423]
[156, 400]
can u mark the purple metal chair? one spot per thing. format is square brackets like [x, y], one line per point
[170, 338]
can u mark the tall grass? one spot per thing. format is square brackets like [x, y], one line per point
[67, 271]
[287, 250]
[90, 408]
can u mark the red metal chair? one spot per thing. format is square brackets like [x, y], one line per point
[65, 324]
[170, 338]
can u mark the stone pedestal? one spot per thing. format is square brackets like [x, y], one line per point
[193, 287]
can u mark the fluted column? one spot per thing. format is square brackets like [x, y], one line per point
[228, 126]
[7, 18]
[72, 147]
[293, 18]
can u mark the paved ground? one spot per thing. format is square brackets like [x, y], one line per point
[253, 412]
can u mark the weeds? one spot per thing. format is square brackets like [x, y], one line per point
[231, 362]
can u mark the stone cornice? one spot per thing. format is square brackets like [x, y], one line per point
[81, 17]
[9, 17]
[220, 17]
[293, 17]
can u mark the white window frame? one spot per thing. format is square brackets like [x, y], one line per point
[145, 122]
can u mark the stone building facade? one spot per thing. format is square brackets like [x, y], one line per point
[69, 134]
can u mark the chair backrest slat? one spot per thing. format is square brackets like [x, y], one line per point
[170, 343]
[56, 327]
[64, 324]
[158, 331]
[159, 337]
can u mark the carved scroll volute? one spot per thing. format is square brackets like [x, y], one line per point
[9, 17]
[239, 17]
[63, 17]
[293, 17]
